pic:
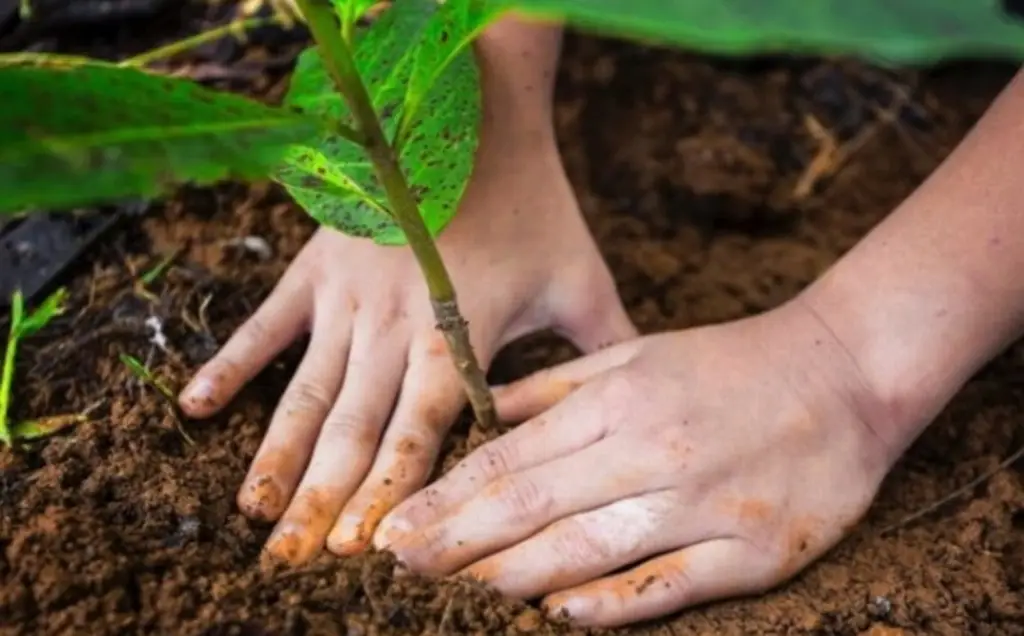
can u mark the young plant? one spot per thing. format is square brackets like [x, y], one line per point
[23, 326]
[379, 128]
[145, 375]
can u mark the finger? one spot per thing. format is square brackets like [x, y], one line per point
[540, 391]
[288, 443]
[573, 426]
[581, 547]
[515, 507]
[345, 446]
[704, 572]
[278, 321]
[430, 400]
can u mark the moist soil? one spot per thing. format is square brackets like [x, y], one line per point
[699, 178]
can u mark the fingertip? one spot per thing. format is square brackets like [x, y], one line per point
[392, 529]
[291, 544]
[197, 399]
[578, 608]
[261, 498]
[531, 395]
[351, 535]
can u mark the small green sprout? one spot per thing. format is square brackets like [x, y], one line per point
[146, 375]
[154, 273]
[23, 326]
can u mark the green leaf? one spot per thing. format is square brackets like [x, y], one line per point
[28, 430]
[352, 10]
[890, 31]
[75, 131]
[50, 308]
[420, 75]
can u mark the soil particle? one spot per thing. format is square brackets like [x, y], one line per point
[685, 168]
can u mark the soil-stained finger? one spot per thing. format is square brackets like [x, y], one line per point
[566, 429]
[346, 445]
[584, 546]
[430, 400]
[516, 507]
[701, 573]
[288, 443]
[282, 317]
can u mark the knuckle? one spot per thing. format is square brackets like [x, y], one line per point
[255, 331]
[577, 543]
[306, 397]
[495, 459]
[521, 499]
[675, 577]
[350, 426]
[620, 387]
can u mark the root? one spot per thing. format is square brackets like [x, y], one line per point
[1003, 465]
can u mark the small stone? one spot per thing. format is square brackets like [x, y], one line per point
[879, 607]
[529, 621]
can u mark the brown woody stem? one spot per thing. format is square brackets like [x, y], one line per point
[340, 64]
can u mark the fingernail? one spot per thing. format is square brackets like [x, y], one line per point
[346, 539]
[392, 531]
[261, 498]
[199, 393]
[286, 543]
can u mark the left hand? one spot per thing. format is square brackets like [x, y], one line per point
[726, 458]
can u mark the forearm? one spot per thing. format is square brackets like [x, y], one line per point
[518, 62]
[937, 289]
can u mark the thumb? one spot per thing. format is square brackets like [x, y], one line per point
[538, 392]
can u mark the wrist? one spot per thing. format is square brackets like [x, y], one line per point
[915, 334]
[935, 292]
[518, 62]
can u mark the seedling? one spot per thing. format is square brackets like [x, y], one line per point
[23, 326]
[154, 274]
[378, 131]
[146, 376]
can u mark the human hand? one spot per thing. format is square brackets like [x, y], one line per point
[361, 423]
[724, 458]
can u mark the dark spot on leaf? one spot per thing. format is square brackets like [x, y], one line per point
[444, 36]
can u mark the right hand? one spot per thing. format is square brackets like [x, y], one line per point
[361, 423]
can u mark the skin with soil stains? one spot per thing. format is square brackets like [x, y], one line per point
[120, 527]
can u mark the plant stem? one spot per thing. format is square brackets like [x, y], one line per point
[174, 48]
[340, 64]
[7, 377]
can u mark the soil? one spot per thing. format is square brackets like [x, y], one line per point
[690, 172]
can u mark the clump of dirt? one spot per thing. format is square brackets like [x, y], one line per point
[694, 176]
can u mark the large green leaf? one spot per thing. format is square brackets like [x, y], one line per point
[422, 77]
[75, 131]
[891, 31]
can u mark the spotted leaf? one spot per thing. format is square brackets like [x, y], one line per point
[422, 79]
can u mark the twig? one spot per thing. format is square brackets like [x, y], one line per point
[446, 617]
[1006, 463]
[174, 48]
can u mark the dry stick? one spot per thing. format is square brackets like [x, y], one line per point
[337, 58]
[174, 48]
[1006, 463]
[446, 616]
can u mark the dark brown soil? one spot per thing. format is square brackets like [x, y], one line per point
[686, 168]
